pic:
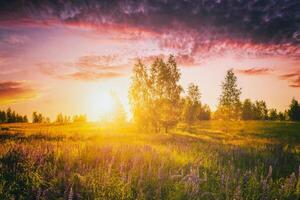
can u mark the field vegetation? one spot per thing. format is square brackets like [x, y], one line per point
[208, 160]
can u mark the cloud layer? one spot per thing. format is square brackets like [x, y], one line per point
[92, 76]
[15, 91]
[292, 78]
[193, 30]
[255, 71]
[261, 21]
[189, 25]
[86, 68]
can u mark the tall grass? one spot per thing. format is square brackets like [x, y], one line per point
[206, 161]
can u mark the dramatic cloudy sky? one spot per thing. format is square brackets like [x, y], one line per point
[56, 55]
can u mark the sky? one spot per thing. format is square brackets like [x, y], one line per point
[62, 56]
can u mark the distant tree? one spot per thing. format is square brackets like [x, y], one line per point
[192, 104]
[37, 118]
[67, 119]
[13, 117]
[79, 118]
[247, 110]
[59, 118]
[193, 94]
[229, 107]
[119, 113]
[139, 96]
[40, 118]
[62, 119]
[9, 115]
[273, 114]
[260, 110]
[282, 116]
[255, 111]
[18, 118]
[3, 118]
[294, 110]
[205, 113]
[25, 119]
[155, 94]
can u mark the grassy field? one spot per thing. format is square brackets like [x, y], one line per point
[211, 160]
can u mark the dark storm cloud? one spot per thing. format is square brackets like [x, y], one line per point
[261, 21]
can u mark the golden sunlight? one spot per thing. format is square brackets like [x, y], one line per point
[100, 105]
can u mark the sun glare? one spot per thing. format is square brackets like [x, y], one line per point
[100, 105]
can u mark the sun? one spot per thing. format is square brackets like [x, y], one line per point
[100, 105]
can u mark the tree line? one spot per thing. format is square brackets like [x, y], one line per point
[60, 118]
[117, 116]
[230, 106]
[10, 116]
[158, 100]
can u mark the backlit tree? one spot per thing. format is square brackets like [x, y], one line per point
[192, 104]
[229, 107]
[294, 110]
[155, 94]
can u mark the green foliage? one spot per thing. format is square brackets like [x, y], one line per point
[192, 109]
[248, 110]
[18, 176]
[62, 119]
[229, 107]
[257, 111]
[282, 116]
[119, 116]
[205, 113]
[260, 110]
[139, 95]
[79, 118]
[10, 116]
[155, 94]
[39, 118]
[214, 160]
[3, 117]
[192, 104]
[294, 110]
[273, 114]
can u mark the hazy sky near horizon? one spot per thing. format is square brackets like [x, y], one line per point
[59, 56]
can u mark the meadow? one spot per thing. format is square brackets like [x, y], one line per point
[208, 160]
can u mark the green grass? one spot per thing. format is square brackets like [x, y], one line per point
[210, 160]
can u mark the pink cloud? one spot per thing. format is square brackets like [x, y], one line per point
[91, 76]
[292, 78]
[101, 62]
[15, 39]
[254, 71]
[15, 91]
